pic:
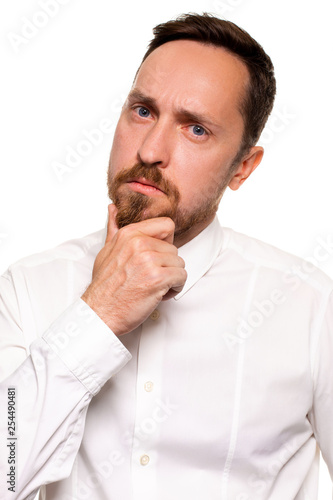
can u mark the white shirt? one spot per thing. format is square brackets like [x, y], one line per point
[223, 393]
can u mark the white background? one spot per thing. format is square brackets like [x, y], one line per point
[75, 70]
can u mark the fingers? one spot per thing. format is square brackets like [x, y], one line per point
[159, 227]
[177, 277]
[149, 244]
[112, 227]
[162, 228]
[171, 293]
[162, 259]
[170, 232]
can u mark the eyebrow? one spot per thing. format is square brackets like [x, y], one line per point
[136, 95]
[182, 113]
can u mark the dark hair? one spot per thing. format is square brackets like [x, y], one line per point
[258, 102]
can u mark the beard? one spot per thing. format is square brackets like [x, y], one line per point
[134, 207]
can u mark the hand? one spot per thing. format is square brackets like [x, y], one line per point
[137, 267]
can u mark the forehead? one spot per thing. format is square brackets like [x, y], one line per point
[189, 72]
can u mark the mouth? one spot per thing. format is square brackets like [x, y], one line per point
[141, 185]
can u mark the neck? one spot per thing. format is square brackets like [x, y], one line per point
[192, 232]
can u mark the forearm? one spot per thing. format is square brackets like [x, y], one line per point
[54, 387]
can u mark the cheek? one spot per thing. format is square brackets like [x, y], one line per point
[123, 147]
[202, 176]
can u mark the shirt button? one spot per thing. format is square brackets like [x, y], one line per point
[149, 386]
[144, 460]
[155, 315]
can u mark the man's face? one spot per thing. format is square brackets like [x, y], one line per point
[178, 134]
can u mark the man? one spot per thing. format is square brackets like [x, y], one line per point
[183, 360]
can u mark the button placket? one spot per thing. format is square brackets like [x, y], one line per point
[147, 426]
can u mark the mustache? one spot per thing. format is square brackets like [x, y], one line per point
[152, 174]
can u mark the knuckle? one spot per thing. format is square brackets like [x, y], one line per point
[169, 224]
[183, 274]
[173, 249]
[126, 231]
[145, 257]
[138, 244]
[156, 277]
[181, 261]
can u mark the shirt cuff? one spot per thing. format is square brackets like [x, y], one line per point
[86, 345]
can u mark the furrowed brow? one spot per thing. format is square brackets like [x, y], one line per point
[183, 114]
[136, 95]
[193, 117]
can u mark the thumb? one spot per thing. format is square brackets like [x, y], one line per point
[112, 227]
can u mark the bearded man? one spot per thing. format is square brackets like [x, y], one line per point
[171, 357]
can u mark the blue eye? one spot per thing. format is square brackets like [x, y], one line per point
[142, 111]
[198, 130]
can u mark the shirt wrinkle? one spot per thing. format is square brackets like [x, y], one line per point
[209, 398]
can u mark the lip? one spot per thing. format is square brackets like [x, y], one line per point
[143, 185]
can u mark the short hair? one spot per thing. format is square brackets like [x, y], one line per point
[258, 101]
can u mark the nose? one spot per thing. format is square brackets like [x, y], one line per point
[155, 149]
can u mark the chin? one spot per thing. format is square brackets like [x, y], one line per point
[137, 207]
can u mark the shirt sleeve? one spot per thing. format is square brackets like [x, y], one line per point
[46, 398]
[321, 415]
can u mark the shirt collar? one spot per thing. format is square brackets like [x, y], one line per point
[200, 253]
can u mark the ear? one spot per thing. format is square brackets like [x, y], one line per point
[245, 168]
